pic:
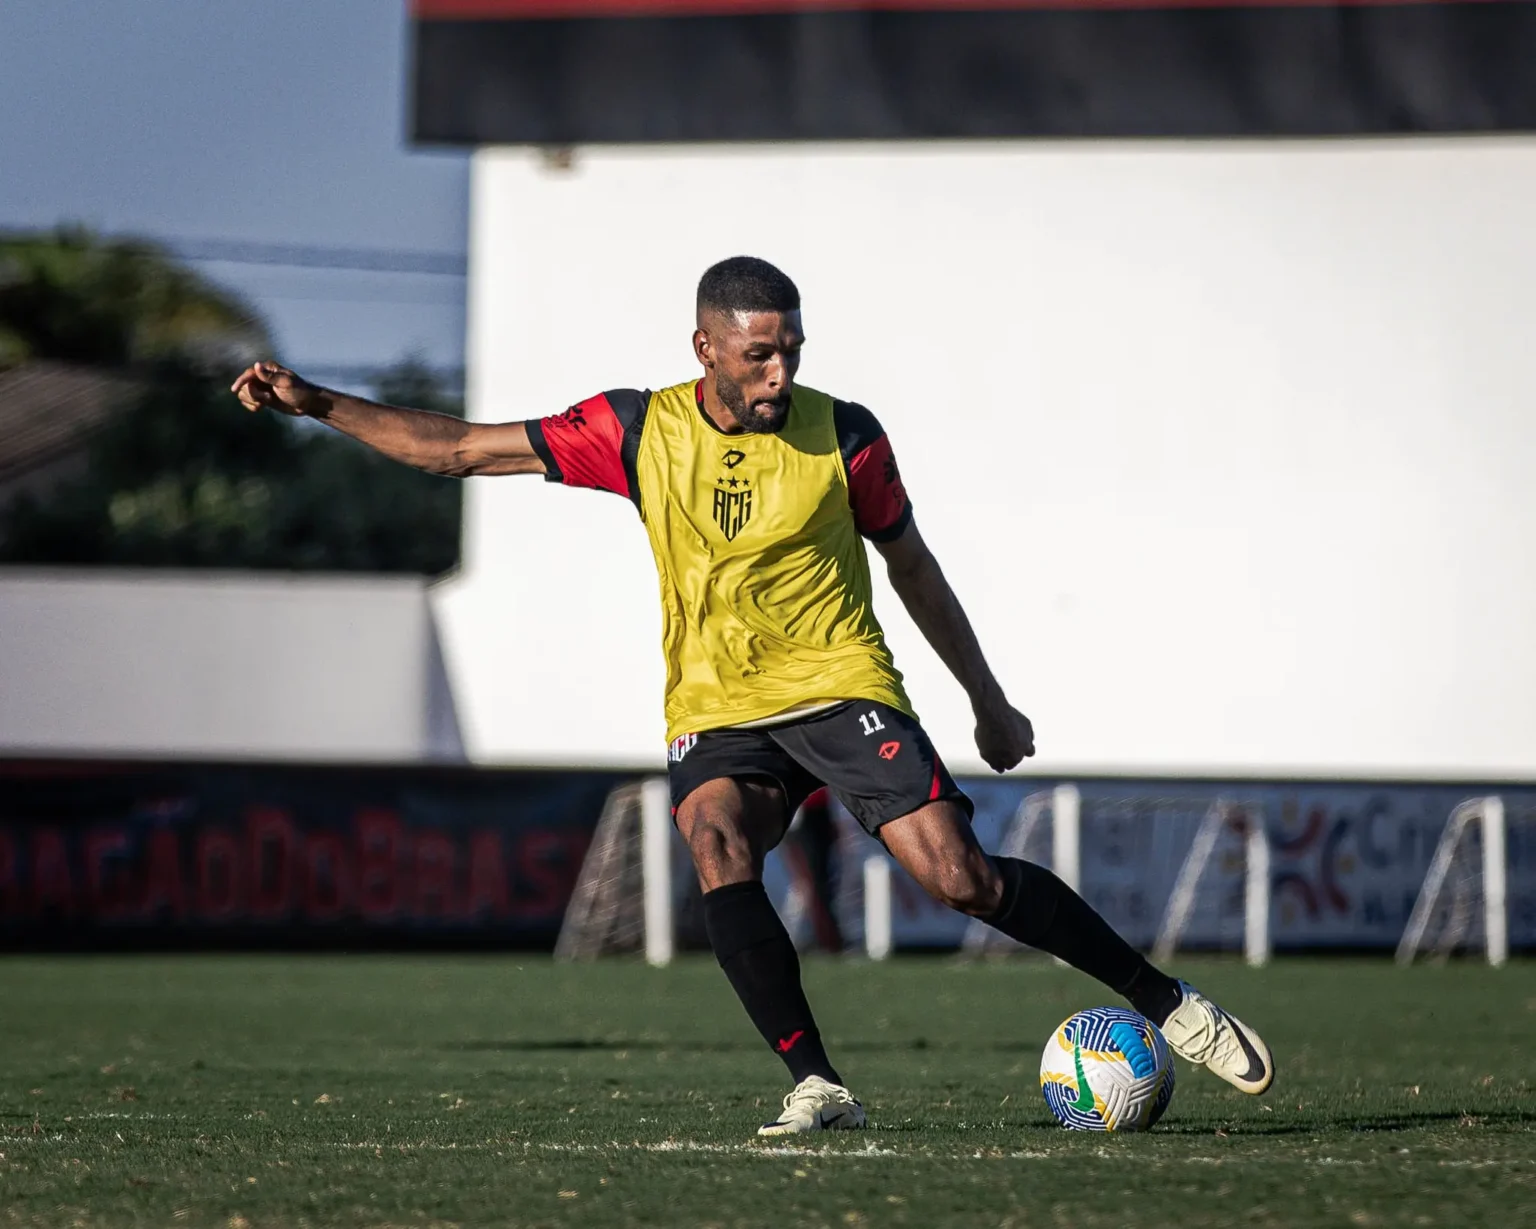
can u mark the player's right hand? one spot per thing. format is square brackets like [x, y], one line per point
[267, 386]
[1004, 736]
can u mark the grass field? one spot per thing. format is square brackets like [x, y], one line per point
[246, 1092]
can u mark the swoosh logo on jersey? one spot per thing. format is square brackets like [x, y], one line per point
[1084, 1100]
[1256, 1067]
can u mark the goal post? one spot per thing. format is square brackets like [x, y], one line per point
[1059, 808]
[1452, 880]
[1249, 820]
[622, 902]
[602, 916]
[656, 868]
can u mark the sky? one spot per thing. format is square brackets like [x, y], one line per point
[268, 121]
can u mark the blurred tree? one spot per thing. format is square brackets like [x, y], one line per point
[180, 475]
[70, 296]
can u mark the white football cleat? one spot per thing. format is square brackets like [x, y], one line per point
[816, 1105]
[1203, 1033]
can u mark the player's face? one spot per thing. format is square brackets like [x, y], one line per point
[755, 356]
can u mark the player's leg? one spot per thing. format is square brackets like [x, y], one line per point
[883, 767]
[936, 846]
[730, 825]
[730, 822]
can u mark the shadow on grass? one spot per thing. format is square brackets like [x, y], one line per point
[1385, 1123]
[576, 1044]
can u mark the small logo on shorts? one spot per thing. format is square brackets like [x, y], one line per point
[888, 750]
[680, 746]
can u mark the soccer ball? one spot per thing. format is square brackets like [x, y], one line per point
[1107, 1069]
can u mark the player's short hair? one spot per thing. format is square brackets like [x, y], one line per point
[746, 284]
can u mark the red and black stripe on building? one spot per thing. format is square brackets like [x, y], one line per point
[578, 71]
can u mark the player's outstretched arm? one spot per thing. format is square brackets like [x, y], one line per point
[437, 443]
[1004, 735]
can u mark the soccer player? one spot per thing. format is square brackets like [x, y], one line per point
[755, 492]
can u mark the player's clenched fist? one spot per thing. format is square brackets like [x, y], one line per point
[268, 386]
[1004, 736]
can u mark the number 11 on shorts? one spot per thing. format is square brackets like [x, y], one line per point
[870, 721]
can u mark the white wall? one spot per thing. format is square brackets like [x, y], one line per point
[1229, 449]
[209, 664]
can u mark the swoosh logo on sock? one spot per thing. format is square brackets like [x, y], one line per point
[1084, 1100]
[786, 1044]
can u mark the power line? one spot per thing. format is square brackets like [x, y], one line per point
[383, 296]
[314, 256]
[291, 255]
[343, 373]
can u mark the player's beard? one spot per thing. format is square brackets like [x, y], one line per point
[764, 416]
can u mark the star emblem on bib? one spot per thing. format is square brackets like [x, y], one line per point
[733, 504]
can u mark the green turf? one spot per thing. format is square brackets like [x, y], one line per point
[292, 1091]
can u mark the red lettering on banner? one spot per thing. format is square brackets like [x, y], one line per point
[52, 887]
[163, 887]
[435, 858]
[487, 876]
[218, 875]
[271, 831]
[108, 900]
[328, 879]
[380, 850]
[10, 892]
[544, 862]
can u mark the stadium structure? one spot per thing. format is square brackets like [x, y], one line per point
[1208, 380]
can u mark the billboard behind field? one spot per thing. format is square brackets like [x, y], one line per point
[119, 854]
[1226, 447]
[582, 71]
[1347, 859]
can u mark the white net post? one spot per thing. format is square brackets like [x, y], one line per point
[1487, 814]
[1495, 886]
[1066, 835]
[1181, 902]
[1256, 943]
[656, 866]
[605, 911]
[1256, 887]
[877, 907]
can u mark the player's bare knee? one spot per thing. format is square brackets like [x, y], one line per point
[722, 852]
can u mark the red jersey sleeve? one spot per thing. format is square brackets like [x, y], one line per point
[594, 443]
[881, 509]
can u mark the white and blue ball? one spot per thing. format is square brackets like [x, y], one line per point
[1107, 1069]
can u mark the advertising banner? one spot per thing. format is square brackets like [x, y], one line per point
[1346, 863]
[136, 855]
[124, 854]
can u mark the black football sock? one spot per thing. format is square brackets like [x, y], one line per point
[1037, 908]
[755, 952]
